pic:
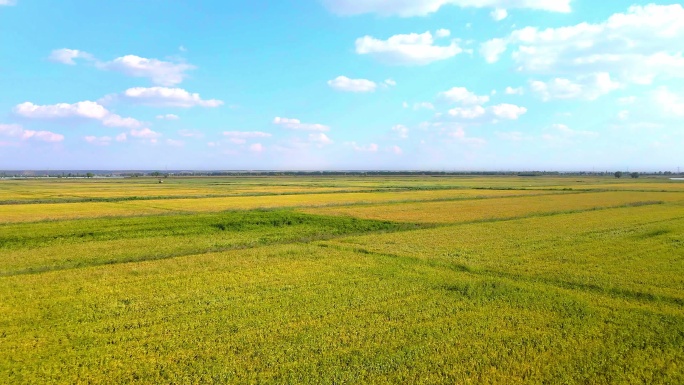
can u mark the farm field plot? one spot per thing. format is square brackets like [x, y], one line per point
[37, 212]
[497, 208]
[476, 283]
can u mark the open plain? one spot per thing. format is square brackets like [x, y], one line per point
[345, 279]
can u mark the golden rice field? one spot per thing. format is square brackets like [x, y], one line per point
[396, 280]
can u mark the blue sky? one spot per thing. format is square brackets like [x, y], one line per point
[342, 84]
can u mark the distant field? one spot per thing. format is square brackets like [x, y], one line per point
[342, 280]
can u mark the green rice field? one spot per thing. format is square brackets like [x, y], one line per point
[342, 280]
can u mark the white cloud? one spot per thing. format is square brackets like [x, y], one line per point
[256, 147]
[460, 135]
[296, 124]
[246, 134]
[145, 133]
[442, 33]
[67, 56]
[408, 8]
[343, 83]
[390, 83]
[492, 49]
[513, 136]
[670, 102]
[508, 111]
[514, 91]
[369, 148]
[17, 131]
[121, 137]
[623, 115]
[401, 131]
[168, 117]
[636, 46]
[423, 106]
[191, 133]
[175, 143]
[627, 100]
[463, 96]
[396, 150]
[499, 14]
[7, 2]
[80, 110]
[167, 97]
[561, 134]
[587, 87]
[320, 139]
[98, 141]
[409, 49]
[160, 72]
[467, 112]
[500, 111]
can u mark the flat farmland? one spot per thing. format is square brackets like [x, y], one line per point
[423, 280]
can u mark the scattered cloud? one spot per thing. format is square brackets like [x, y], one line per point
[175, 143]
[511, 136]
[636, 46]
[422, 106]
[514, 91]
[343, 83]
[17, 131]
[166, 97]
[165, 73]
[396, 150]
[425, 7]
[586, 87]
[7, 2]
[499, 14]
[442, 33]
[145, 133]
[296, 124]
[561, 134]
[161, 72]
[246, 134]
[256, 147]
[359, 148]
[98, 141]
[408, 49]
[499, 111]
[467, 112]
[390, 83]
[671, 103]
[80, 110]
[168, 117]
[507, 111]
[67, 56]
[320, 139]
[463, 96]
[401, 131]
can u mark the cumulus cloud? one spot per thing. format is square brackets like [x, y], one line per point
[165, 73]
[586, 87]
[343, 83]
[168, 117]
[396, 150]
[401, 131]
[407, 49]
[7, 2]
[246, 134]
[98, 141]
[499, 14]
[671, 103]
[390, 83]
[166, 97]
[372, 147]
[463, 96]
[561, 134]
[514, 91]
[17, 131]
[296, 124]
[320, 139]
[636, 46]
[443, 32]
[425, 7]
[161, 72]
[256, 147]
[145, 133]
[80, 110]
[499, 111]
[67, 56]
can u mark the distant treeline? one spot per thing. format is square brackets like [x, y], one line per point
[166, 174]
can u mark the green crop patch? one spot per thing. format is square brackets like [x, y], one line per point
[54, 245]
